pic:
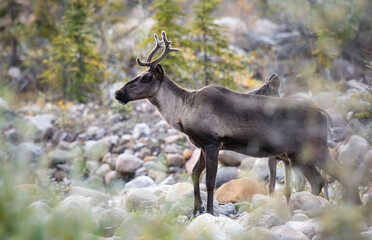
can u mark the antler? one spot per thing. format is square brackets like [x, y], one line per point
[158, 45]
[167, 49]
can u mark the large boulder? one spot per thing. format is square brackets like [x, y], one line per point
[74, 210]
[239, 190]
[110, 219]
[219, 228]
[308, 202]
[352, 153]
[230, 158]
[267, 212]
[139, 199]
[128, 164]
[140, 182]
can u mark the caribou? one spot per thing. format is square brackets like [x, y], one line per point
[215, 118]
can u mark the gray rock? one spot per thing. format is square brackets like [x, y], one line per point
[230, 158]
[140, 182]
[242, 207]
[144, 152]
[260, 169]
[352, 153]
[264, 27]
[367, 235]
[142, 171]
[308, 228]
[28, 152]
[95, 132]
[247, 163]
[172, 148]
[110, 219]
[43, 125]
[267, 212]
[74, 208]
[224, 174]
[139, 199]
[103, 170]
[93, 196]
[228, 209]
[40, 209]
[59, 157]
[128, 164]
[138, 226]
[112, 176]
[141, 129]
[259, 233]
[176, 191]
[299, 217]
[287, 233]
[11, 135]
[308, 202]
[95, 150]
[219, 228]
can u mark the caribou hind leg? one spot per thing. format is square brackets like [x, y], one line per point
[334, 169]
[196, 171]
[272, 175]
[287, 174]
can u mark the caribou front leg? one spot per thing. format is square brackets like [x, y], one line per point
[211, 157]
[196, 171]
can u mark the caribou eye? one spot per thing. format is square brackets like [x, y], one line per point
[146, 79]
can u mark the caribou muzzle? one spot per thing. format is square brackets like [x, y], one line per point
[121, 96]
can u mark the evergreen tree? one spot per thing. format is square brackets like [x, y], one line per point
[169, 17]
[74, 65]
[11, 29]
[214, 63]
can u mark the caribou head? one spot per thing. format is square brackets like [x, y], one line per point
[147, 83]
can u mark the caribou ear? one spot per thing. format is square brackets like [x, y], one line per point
[159, 72]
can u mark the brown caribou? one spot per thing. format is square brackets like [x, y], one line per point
[216, 118]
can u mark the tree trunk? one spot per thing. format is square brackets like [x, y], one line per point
[205, 57]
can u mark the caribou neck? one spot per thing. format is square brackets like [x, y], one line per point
[170, 100]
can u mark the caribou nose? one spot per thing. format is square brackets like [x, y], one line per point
[118, 94]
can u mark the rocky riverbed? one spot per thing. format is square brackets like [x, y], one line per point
[122, 173]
